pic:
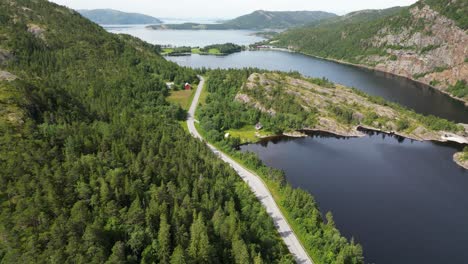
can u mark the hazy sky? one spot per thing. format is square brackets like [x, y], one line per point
[228, 8]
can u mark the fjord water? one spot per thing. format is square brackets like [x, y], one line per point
[404, 201]
[192, 38]
[408, 93]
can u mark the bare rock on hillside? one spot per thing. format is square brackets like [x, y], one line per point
[6, 76]
[36, 30]
[435, 54]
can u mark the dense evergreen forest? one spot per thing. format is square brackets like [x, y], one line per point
[93, 165]
[221, 112]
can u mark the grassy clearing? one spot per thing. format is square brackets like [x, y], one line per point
[182, 98]
[203, 96]
[202, 100]
[247, 134]
[214, 51]
[166, 51]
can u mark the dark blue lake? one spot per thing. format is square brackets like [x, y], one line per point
[404, 201]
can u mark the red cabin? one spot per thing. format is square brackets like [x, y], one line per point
[188, 86]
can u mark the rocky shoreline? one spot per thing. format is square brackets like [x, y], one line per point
[458, 159]
[356, 132]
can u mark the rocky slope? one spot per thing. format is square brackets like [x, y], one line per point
[427, 42]
[433, 49]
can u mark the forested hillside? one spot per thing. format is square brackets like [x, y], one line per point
[427, 42]
[260, 19]
[223, 111]
[115, 17]
[93, 165]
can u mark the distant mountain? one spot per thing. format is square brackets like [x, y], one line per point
[110, 16]
[278, 20]
[260, 20]
[425, 42]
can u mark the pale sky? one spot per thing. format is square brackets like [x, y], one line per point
[228, 8]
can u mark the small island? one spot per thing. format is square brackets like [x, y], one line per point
[216, 49]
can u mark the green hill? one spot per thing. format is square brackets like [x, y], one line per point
[94, 167]
[260, 20]
[114, 17]
[426, 42]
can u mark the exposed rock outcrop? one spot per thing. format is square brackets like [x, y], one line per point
[433, 50]
[36, 30]
[459, 159]
[6, 76]
[5, 56]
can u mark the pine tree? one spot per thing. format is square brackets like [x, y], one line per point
[178, 256]
[241, 255]
[258, 259]
[164, 243]
[199, 248]
[118, 254]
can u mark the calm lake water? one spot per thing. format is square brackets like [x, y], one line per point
[404, 201]
[413, 95]
[192, 38]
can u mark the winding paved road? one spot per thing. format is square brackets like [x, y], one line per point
[257, 186]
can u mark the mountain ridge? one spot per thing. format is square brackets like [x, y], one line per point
[259, 19]
[111, 16]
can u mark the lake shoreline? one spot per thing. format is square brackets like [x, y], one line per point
[361, 131]
[362, 66]
[457, 157]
